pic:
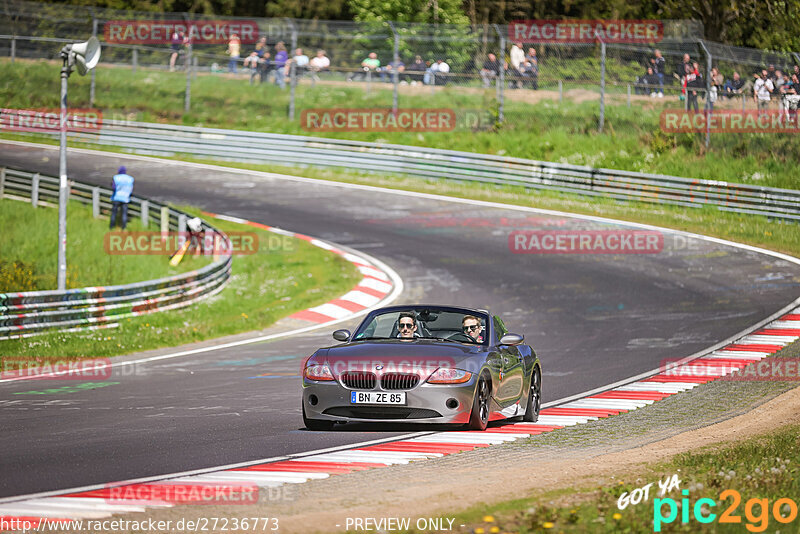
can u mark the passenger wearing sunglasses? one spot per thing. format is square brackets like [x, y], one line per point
[407, 325]
[471, 326]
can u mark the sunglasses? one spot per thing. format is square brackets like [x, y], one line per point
[403, 326]
[472, 327]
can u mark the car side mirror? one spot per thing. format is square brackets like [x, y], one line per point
[512, 339]
[341, 335]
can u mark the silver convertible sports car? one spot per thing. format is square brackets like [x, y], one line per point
[423, 364]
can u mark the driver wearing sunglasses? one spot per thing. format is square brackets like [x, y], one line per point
[407, 325]
[471, 326]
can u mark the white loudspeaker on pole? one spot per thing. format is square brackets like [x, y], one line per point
[84, 57]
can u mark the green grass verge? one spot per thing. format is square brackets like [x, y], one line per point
[544, 130]
[284, 276]
[764, 467]
[29, 248]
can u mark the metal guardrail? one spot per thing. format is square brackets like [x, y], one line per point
[292, 150]
[28, 313]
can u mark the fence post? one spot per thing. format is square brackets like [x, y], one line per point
[181, 229]
[135, 60]
[395, 73]
[144, 208]
[707, 106]
[2, 181]
[35, 190]
[92, 84]
[96, 202]
[13, 48]
[602, 83]
[164, 221]
[292, 72]
[629, 96]
[501, 82]
[187, 101]
[560, 92]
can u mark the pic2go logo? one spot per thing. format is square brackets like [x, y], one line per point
[756, 511]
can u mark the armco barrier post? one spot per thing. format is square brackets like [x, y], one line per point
[2, 181]
[35, 190]
[145, 213]
[96, 202]
[164, 221]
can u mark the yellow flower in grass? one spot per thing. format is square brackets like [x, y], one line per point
[494, 529]
[488, 519]
[548, 524]
[479, 530]
[617, 516]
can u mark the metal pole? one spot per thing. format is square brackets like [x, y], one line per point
[707, 106]
[91, 85]
[292, 73]
[560, 91]
[63, 190]
[501, 82]
[187, 101]
[13, 48]
[395, 73]
[135, 59]
[602, 84]
[629, 96]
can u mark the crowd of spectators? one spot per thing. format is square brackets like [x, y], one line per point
[766, 86]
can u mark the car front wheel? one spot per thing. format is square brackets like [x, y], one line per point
[479, 417]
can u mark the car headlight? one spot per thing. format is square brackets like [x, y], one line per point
[318, 372]
[447, 375]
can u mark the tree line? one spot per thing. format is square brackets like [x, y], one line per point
[767, 24]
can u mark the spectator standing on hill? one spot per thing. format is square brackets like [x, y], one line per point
[440, 69]
[651, 82]
[659, 65]
[692, 80]
[490, 70]
[762, 90]
[717, 81]
[300, 62]
[418, 68]
[681, 70]
[176, 43]
[121, 190]
[516, 58]
[234, 50]
[319, 63]
[281, 57]
[734, 86]
[533, 69]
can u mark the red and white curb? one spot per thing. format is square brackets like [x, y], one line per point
[104, 501]
[375, 286]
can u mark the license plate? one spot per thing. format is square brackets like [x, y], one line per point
[376, 397]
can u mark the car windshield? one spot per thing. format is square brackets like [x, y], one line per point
[424, 323]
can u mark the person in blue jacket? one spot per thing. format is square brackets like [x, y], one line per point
[122, 187]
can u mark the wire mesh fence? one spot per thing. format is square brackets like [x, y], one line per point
[479, 74]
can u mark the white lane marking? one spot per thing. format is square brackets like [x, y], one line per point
[360, 298]
[258, 476]
[564, 420]
[321, 244]
[377, 285]
[371, 271]
[331, 310]
[85, 503]
[24, 510]
[232, 219]
[664, 387]
[197, 479]
[785, 324]
[738, 354]
[626, 404]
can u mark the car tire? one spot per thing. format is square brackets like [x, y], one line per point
[534, 397]
[316, 424]
[479, 417]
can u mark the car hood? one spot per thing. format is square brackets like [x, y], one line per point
[419, 356]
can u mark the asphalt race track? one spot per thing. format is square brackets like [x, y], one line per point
[593, 319]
